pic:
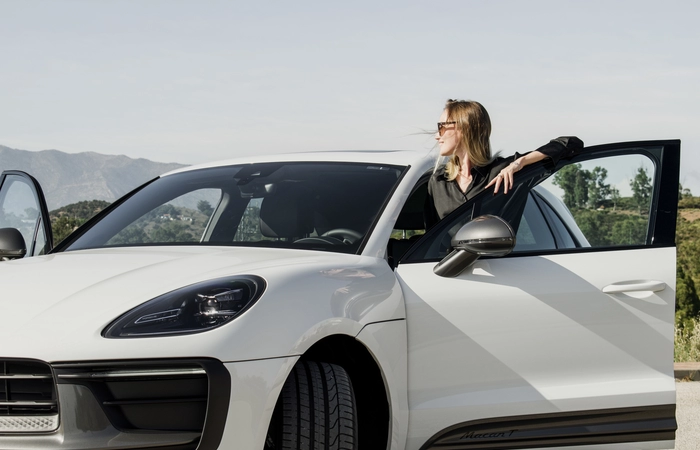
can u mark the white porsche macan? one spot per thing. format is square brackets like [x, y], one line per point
[297, 302]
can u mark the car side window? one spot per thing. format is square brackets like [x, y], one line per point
[19, 208]
[588, 203]
[533, 231]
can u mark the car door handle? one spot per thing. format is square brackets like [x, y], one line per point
[635, 286]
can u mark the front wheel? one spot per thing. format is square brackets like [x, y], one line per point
[316, 410]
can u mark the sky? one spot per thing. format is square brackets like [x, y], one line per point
[197, 81]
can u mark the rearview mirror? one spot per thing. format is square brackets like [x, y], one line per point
[483, 236]
[12, 244]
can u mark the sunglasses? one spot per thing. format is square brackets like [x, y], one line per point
[441, 127]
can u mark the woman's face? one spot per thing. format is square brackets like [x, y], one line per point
[447, 136]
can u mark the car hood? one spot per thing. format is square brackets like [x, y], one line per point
[62, 298]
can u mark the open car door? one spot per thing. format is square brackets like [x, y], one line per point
[25, 227]
[567, 340]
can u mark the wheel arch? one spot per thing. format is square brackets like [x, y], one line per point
[371, 392]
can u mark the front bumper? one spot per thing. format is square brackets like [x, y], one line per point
[166, 404]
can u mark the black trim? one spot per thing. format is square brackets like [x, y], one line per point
[219, 389]
[217, 408]
[665, 231]
[550, 252]
[594, 427]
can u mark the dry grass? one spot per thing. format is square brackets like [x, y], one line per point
[687, 343]
[690, 214]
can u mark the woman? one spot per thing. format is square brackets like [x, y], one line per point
[463, 136]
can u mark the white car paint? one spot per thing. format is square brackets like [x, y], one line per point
[341, 294]
[538, 334]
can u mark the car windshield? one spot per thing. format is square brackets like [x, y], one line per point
[320, 206]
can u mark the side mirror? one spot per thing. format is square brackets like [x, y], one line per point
[483, 236]
[12, 244]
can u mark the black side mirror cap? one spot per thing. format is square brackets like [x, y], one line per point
[12, 245]
[484, 236]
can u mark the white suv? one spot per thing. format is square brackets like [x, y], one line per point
[296, 302]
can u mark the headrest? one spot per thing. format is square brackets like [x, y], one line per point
[286, 213]
[409, 220]
[412, 214]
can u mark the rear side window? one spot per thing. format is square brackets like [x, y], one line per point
[533, 232]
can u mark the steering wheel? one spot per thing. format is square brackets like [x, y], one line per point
[346, 235]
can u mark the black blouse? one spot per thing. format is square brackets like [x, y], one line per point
[444, 196]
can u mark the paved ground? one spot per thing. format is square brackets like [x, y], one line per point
[688, 415]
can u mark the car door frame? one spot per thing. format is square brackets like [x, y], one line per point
[44, 220]
[667, 193]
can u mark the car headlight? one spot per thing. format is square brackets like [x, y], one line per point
[191, 309]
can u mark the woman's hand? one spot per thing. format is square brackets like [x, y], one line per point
[505, 177]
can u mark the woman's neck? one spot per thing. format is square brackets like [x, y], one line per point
[465, 165]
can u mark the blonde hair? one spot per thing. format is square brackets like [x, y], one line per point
[474, 125]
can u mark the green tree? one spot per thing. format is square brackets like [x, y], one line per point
[614, 196]
[63, 226]
[683, 192]
[687, 301]
[172, 232]
[641, 190]
[566, 180]
[133, 234]
[595, 225]
[583, 179]
[205, 207]
[574, 182]
[598, 189]
[688, 271]
[68, 218]
[628, 230]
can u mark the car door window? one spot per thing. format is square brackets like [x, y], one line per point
[592, 203]
[609, 198]
[20, 209]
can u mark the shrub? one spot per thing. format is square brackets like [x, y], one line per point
[687, 342]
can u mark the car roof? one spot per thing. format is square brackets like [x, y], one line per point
[392, 157]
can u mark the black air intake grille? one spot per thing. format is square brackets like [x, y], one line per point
[27, 397]
[147, 397]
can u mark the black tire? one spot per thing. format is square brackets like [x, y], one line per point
[316, 410]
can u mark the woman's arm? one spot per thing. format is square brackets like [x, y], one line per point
[555, 149]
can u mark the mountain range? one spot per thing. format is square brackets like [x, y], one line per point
[72, 177]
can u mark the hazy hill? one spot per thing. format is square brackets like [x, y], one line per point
[69, 178]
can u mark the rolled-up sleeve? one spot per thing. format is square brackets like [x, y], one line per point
[561, 147]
